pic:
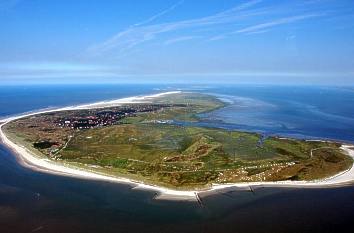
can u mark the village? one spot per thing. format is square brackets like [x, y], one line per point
[100, 118]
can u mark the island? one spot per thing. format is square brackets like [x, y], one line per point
[160, 142]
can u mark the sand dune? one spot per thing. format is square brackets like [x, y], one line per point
[28, 159]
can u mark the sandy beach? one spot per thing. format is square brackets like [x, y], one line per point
[28, 159]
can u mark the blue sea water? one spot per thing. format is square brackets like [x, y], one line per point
[19, 99]
[300, 111]
[33, 201]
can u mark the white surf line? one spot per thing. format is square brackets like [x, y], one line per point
[28, 159]
[32, 161]
[101, 104]
[344, 177]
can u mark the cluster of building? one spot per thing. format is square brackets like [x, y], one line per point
[89, 121]
[98, 118]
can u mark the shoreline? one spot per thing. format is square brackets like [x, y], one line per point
[27, 159]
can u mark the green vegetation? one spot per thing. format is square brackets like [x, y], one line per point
[147, 147]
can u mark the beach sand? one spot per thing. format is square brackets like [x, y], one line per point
[28, 159]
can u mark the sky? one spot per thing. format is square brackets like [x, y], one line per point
[201, 41]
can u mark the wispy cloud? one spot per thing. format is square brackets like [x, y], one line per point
[133, 36]
[180, 39]
[160, 14]
[287, 20]
[47, 69]
[218, 37]
[257, 32]
[248, 17]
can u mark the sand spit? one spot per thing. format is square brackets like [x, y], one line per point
[28, 159]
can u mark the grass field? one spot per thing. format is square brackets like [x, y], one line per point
[145, 147]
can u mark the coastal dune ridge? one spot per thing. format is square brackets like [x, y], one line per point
[99, 104]
[28, 159]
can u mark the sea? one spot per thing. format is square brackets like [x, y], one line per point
[32, 201]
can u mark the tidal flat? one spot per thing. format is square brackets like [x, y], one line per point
[140, 141]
